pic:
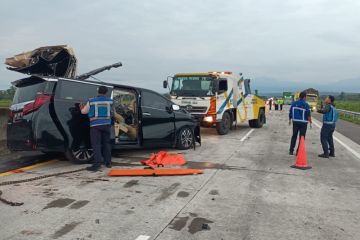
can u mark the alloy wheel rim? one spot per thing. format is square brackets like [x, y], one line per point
[186, 138]
[83, 154]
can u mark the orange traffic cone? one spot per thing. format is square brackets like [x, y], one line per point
[301, 162]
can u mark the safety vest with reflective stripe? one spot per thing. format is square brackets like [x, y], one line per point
[331, 116]
[300, 111]
[100, 111]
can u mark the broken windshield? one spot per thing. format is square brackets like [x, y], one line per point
[195, 86]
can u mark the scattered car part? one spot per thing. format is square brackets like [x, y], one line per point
[85, 76]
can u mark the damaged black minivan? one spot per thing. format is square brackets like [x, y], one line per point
[45, 113]
[45, 116]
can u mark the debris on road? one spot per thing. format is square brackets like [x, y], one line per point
[11, 203]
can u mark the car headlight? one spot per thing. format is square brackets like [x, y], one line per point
[208, 119]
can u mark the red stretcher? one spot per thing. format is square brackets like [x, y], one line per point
[153, 172]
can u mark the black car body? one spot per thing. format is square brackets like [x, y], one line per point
[45, 116]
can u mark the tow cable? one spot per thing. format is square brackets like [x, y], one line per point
[14, 204]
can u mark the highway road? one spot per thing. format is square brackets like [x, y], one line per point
[247, 191]
[348, 129]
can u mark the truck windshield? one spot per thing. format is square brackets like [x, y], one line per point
[196, 86]
[311, 98]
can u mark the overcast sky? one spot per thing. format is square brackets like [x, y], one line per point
[292, 40]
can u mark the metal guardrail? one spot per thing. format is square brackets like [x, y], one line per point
[349, 113]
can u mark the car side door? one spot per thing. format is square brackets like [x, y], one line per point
[71, 123]
[158, 125]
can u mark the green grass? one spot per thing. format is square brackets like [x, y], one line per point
[4, 103]
[350, 105]
[350, 119]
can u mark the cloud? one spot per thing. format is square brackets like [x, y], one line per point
[296, 40]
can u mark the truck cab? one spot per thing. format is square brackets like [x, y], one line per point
[217, 99]
[312, 100]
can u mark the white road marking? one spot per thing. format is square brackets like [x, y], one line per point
[341, 142]
[142, 237]
[247, 135]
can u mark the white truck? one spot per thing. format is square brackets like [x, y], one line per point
[219, 99]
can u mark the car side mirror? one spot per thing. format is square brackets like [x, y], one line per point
[175, 107]
[165, 84]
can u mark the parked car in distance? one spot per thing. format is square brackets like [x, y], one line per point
[45, 116]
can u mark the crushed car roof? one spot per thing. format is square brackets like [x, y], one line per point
[58, 61]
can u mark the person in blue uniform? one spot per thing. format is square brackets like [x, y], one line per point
[99, 110]
[300, 116]
[329, 123]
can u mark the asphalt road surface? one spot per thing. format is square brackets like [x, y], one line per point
[349, 129]
[247, 191]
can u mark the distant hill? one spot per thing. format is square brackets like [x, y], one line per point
[269, 85]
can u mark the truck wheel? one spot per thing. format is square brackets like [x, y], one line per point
[258, 123]
[80, 155]
[224, 126]
[185, 138]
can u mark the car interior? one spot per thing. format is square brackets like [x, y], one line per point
[125, 115]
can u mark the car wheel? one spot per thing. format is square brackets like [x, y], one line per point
[185, 139]
[224, 126]
[80, 155]
[258, 123]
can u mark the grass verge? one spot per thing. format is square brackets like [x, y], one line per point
[5, 103]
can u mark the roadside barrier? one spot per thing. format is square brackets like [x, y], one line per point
[354, 115]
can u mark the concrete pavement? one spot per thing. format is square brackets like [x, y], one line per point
[348, 129]
[247, 191]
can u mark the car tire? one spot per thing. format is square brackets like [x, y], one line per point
[224, 126]
[258, 123]
[185, 138]
[80, 155]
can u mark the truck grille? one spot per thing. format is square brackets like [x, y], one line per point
[194, 109]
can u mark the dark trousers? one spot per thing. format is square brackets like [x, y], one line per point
[326, 137]
[298, 129]
[276, 106]
[270, 106]
[100, 142]
[281, 107]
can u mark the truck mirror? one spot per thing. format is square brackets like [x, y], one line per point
[165, 84]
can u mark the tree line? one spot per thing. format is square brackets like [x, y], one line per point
[7, 94]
